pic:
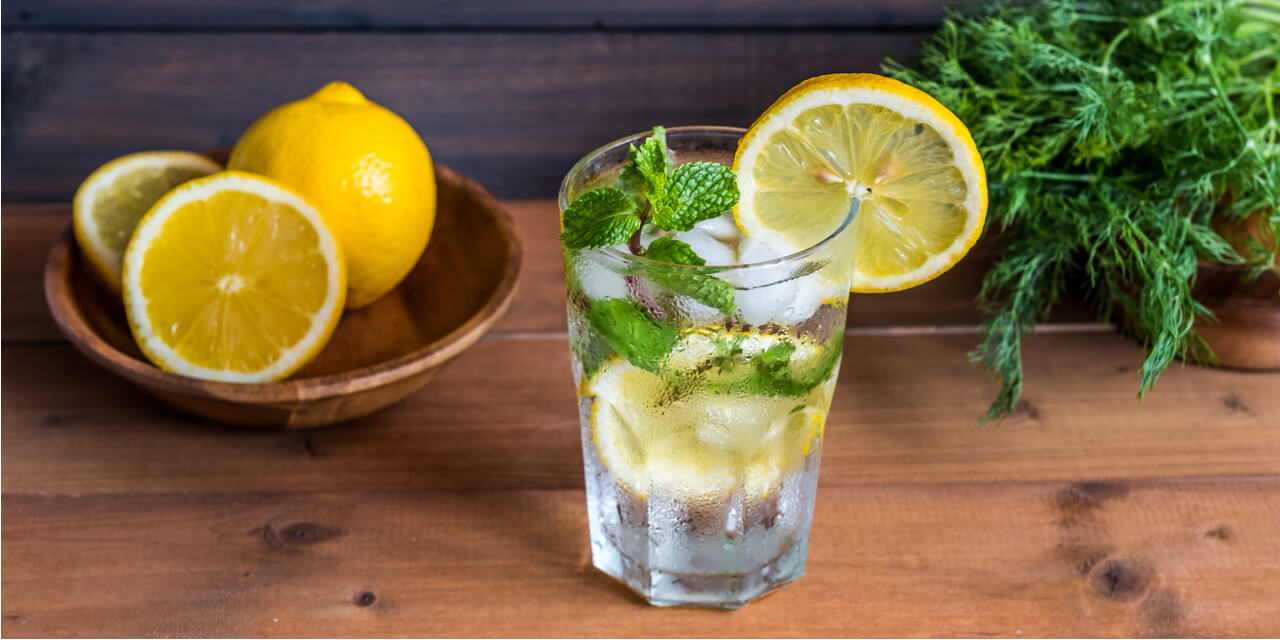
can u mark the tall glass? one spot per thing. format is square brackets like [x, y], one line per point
[702, 425]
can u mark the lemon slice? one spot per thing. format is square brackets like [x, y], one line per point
[703, 442]
[909, 163]
[233, 277]
[113, 198]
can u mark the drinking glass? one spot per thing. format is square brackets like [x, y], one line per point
[702, 417]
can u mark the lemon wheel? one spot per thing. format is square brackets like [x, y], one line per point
[235, 278]
[907, 162]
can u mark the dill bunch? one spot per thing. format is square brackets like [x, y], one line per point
[1114, 132]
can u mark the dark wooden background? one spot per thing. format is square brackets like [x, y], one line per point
[510, 93]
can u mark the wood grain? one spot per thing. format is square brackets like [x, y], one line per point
[511, 110]
[502, 416]
[409, 14]
[1053, 559]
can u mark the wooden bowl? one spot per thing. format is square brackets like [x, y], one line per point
[378, 355]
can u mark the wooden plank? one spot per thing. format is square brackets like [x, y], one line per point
[539, 304]
[502, 416]
[27, 233]
[401, 14]
[1141, 559]
[512, 110]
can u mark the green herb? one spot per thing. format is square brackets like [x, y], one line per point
[771, 370]
[598, 219]
[633, 332]
[667, 249]
[1113, 132]
[727, 352]
[651, 191]
[713, 292]
[697, 191]
[592, 350]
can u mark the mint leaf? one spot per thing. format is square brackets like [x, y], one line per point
[674, 251]
[633, 183]
[632, 332]
[713, 292]
[727, 352]
[592, 351]
[697, 191]
[650, 158]
[708, 290]
[771, 371]
[599, 218]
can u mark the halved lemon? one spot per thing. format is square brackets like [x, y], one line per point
[910, 164]
[113, 198]
[233, 277]
[703, 441]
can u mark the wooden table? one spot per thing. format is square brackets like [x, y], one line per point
[461, 510]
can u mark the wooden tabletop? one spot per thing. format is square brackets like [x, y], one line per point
[461, 510]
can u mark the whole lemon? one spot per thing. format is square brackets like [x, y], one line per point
[363, 167]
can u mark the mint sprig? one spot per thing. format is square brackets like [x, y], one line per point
[672, 198]
[652, 191]
[651, 159]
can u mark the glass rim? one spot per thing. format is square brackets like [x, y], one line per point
[627, 258]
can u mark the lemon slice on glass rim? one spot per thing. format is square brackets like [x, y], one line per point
[234, 278]
[908, 162]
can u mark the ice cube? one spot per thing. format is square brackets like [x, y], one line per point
[723, 228]
[769, 294]
[599, 282]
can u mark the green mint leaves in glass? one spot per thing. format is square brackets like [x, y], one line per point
[705, 364]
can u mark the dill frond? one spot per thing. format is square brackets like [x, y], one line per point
[1114, 132]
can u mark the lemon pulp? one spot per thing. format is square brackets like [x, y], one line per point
[236, 279]
[701, 439]
[112, 200]
[905, 160]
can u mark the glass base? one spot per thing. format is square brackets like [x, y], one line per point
[718, 591]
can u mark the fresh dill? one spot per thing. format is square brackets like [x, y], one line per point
[1114, 132]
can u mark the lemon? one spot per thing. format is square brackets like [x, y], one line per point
[114, 197]
[366, 170]
[705, 441]
[907, 161]
[233, 277]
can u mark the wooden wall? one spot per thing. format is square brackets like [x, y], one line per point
[509, 93]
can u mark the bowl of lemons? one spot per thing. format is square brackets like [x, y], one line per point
[321, 270]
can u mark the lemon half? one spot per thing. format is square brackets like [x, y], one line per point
[910, 164]
[113, 198]
[233, 277]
